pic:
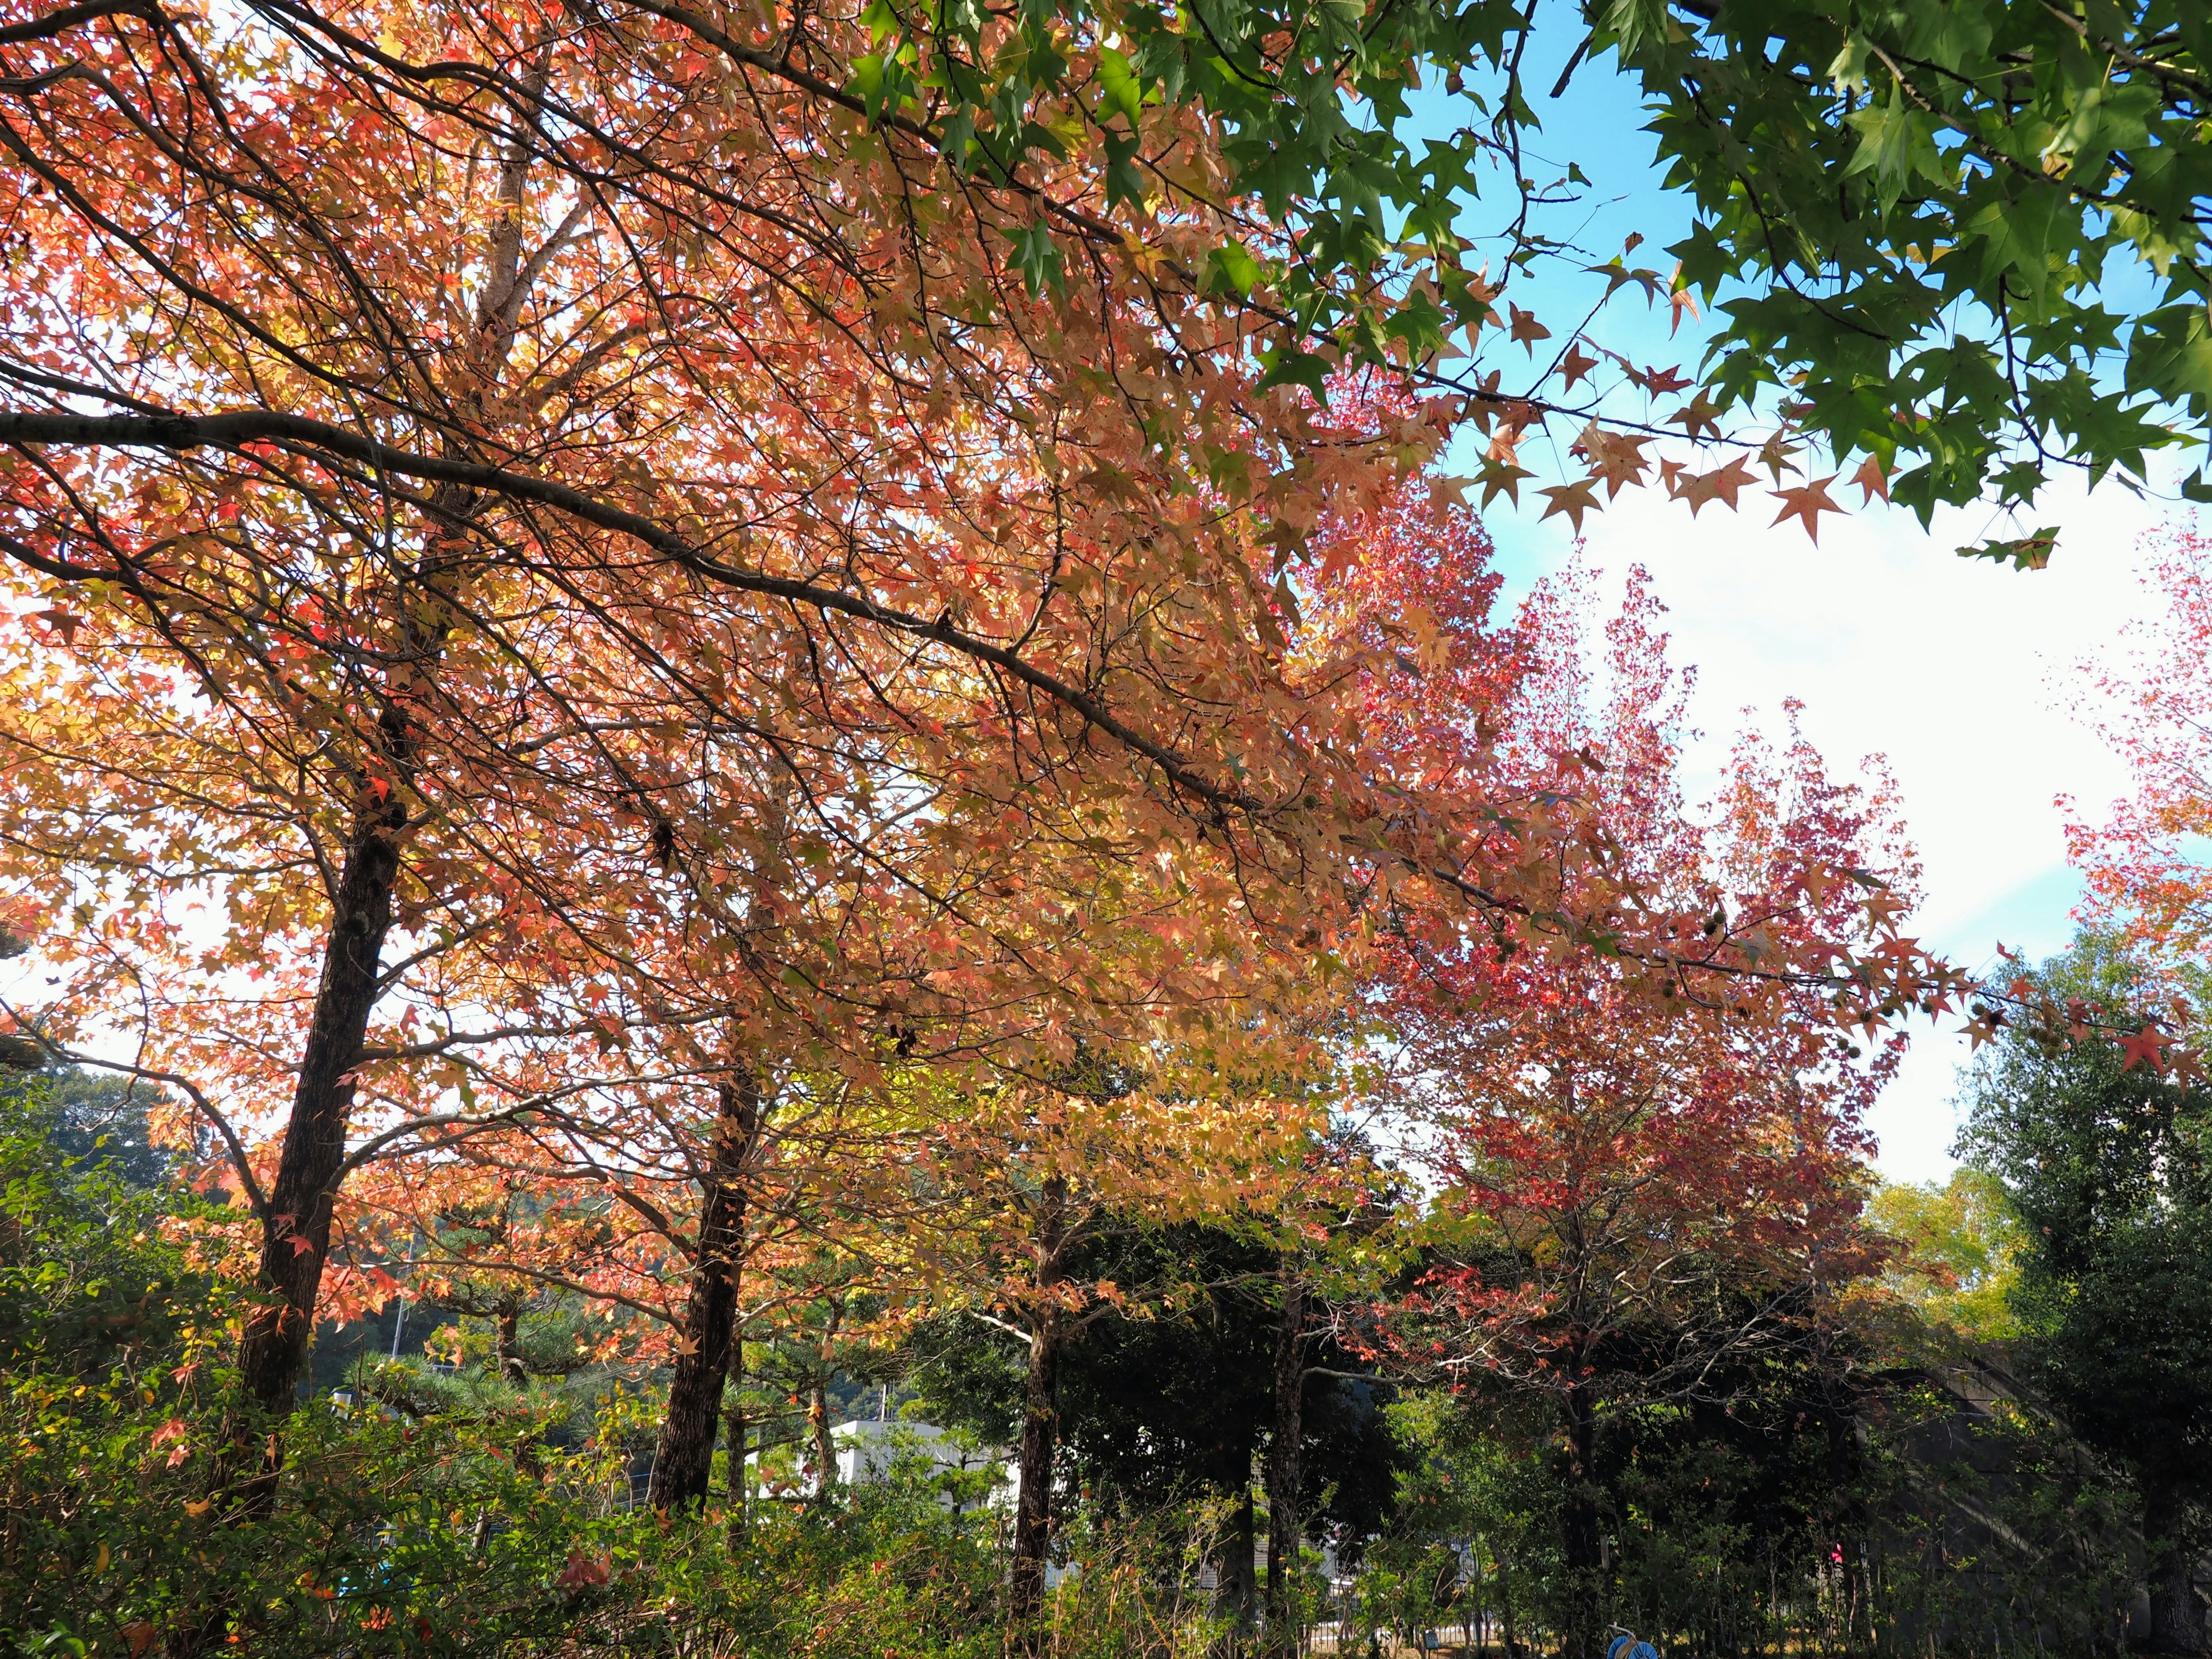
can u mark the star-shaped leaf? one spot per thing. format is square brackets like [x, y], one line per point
[1806, 502]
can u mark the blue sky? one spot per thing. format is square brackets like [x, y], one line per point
[1957, 672]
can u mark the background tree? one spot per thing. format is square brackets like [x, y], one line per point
[1173, 1399]
[1959, 1248]
[1629, 1204]
[2109, 1166]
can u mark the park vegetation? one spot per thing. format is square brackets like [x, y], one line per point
[714, 719]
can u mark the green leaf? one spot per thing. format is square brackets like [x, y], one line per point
[1231, 268]
[1895, 143]
[1288, 366]
[1037, 257]
[1118, 83]
[880, 21]
[2020, 232]
[2022, 553]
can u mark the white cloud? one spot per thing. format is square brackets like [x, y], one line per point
[1956, 670]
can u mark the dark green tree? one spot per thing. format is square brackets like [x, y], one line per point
[2110, 1166]
[1179, 1404]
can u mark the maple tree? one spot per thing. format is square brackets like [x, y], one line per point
[1626, 1194]
[2140, 863]
[1031, 1181]
[599, 608]
[1971, 234]
[440, 693]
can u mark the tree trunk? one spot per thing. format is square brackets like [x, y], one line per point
[296, 1232]
[1039, 1429]
[1581, 1531]
[1285, 1525]
[507, 1345]
[1240, 1586]
[2177, 1616]
[741, 1494]
[684, 1461]
[825, 1444]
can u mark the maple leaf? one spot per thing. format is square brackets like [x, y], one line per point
[1526, 328]
[584, 1572]
[1502, 479]
[1700, 414]
[1883, 906]
[1678, 301]
[1449, 490]
[1578, 363]
[1722, 485]
[1572, 499]
[1807, 503]
[1872, 479]
[2147, 1045]
[1774, 455]
[1618, 456]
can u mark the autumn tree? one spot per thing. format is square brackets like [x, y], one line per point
[537, 454]
[472, 657]
[1626, 1195]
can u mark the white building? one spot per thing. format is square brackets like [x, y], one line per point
[966, 1477]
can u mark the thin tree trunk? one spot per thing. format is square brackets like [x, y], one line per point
[1581, 1529]
[684, 1461]
[1285, 1525]
[740, 1493]
[1040, 1428]
[1240, 1587]
[507, 1345]
[825, 1444]
[295, 1232]
[2177, 1616]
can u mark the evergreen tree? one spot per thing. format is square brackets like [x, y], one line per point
[2109, 1165]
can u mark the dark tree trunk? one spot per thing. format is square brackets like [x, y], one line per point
[507, 1345]
[1285, 1525]
[2177, 1616]
[1240, 1586]
[1039, 1429]
[684, 1461]
[1581, 1531]
[825, 1444]
[296, 1232]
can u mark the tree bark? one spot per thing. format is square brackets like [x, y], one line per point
[296, 1232]
[2177, 1615]
[825, 1444]
[741, 1494]
[1240, 1587]
[1040, 1428]
[507, 1345]
[1285, 1525]
[684, 1461]
[1582, 1530]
